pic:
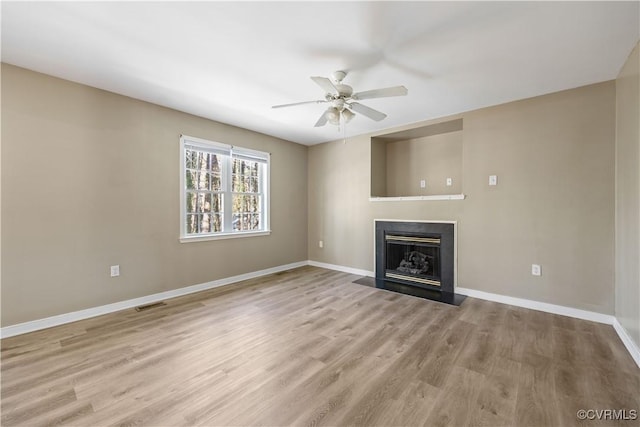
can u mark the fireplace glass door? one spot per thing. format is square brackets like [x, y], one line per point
[414, 258]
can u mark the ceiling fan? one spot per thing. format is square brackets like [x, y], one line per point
[342, 100]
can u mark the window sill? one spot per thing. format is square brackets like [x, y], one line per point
[413, 198]
[223, 236]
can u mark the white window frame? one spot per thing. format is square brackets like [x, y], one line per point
[227, 151]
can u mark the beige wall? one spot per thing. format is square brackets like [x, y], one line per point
[91, 179]
[554, 203]
[627, 307]
[431, 158]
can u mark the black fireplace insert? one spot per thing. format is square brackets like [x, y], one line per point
[417, 258]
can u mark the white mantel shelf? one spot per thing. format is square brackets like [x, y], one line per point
[417, 198]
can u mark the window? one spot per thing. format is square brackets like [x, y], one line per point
[224, 190]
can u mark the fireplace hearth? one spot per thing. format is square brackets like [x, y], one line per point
[417, 258]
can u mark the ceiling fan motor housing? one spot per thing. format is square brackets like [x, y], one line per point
[345, 91]
[338, 76]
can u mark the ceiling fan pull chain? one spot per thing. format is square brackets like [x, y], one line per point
[344, 135]
[344, 129]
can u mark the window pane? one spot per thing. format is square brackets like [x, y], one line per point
[255, 222]
[200, 202]
[237, 203]
[253, 185]
[235, 184]
[203, 161]
[216, 182]
[193, 225]
[216, 203]
[236, 222]
[204, 181]
[206, 206]
[191, 177]
[207, 224]
[214, 221]
[216, 163]
[191, 199]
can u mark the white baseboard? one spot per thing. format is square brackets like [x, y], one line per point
[632, 348]
[540, 306]
[36, 325]
[342, 268]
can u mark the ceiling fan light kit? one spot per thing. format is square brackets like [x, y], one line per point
[333, 115]
[347, 115]
[341, 97]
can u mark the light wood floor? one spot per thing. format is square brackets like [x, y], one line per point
[308, 347]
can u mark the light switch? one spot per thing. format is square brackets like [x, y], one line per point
[493, 180]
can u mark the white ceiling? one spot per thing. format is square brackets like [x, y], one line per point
[231, 61]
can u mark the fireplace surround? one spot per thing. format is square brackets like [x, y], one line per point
[417, 258]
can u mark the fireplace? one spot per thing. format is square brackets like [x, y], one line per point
[417, 258]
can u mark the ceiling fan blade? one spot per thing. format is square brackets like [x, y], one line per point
[325, 84]
[381, 93]
[320, 101]
[322, 120]
[367, 111]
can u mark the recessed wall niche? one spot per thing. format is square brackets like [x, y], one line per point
[402, 162]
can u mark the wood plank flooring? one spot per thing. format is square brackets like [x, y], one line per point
[308, 347]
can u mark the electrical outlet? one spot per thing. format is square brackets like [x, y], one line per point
[115, 270]
[536, 270]
[423, 183]
[493, 180]
[320, 244]
[449, 182]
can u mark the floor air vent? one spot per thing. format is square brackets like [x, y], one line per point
[149, 306]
